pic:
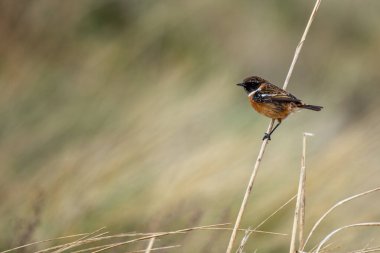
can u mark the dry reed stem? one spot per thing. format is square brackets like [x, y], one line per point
[43, 241]
[88, 249]
[104, 247]
[201, 228]
[264, 143]
[248, 190]
[243, 241]
[154, 249]
[299, 211]
[332, 208]
[365, 224]
[145, 237]
[158, 235]
[275, 212]
[247, 229]
[150, 245]
[77, 243]
[87, 236]
[209, 228]
[328, 248]
[143, 250]
[324, 247]
[92, 234]
[127, 235]
[300, 44]
[301, 223]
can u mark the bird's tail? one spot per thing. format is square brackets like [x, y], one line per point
[311, 107]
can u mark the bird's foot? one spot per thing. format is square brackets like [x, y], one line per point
[266, 136]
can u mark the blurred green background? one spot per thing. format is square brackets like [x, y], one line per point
[124, 114]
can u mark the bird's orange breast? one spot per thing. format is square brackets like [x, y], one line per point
[272, 110]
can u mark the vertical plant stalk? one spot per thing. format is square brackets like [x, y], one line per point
[301, 222]
[265, 142]
[248, 191]
[300, 44]
[299, 210]
[150, 245]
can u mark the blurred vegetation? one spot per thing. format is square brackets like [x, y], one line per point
[125, 114]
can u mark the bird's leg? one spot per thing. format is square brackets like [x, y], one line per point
[267, 136]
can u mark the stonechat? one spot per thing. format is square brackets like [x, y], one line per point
[272, 101]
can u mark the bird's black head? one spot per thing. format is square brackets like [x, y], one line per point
[252, 83]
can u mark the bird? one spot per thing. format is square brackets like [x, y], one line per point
[272, 101]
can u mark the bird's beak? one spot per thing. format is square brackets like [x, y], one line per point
[240, 84]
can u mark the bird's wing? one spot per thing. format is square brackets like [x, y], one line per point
[271, 93]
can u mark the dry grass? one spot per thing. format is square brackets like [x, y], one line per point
[338, 204]
[124, 114]
[100, 237]
[328, 237]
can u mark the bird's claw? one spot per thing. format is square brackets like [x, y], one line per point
[266, 136]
